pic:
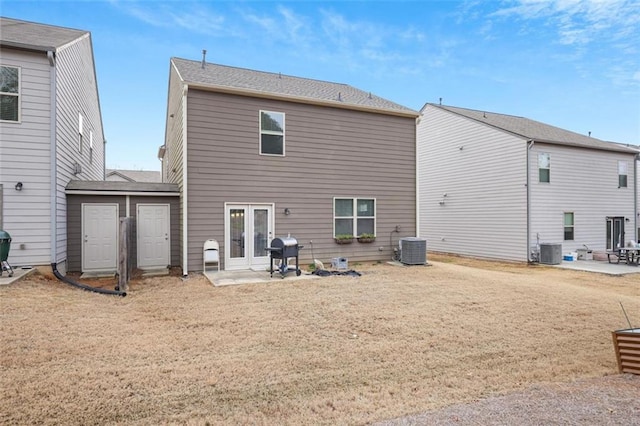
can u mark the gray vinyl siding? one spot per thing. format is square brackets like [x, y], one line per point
[77, 93]
[584, 182]
[329, 153]
[25, 156]
[482, 171]
[74, 230]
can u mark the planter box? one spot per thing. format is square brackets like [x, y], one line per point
[627, 346]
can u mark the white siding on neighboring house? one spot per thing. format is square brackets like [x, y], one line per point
[482, 171]
[25, 156]
[77, 94]
[583, 182]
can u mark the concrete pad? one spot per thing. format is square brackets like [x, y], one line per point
[97, 274]
[224, 278]
[599, 267]
[160, 272]
[18, 274]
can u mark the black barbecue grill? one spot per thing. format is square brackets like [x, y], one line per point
[283, 249]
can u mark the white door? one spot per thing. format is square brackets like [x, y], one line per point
[248, 232]
[153, 236]
[99, 237]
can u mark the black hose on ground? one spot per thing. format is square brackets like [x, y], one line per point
[71, 282]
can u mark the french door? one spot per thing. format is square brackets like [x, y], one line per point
[248, 232]
[615, 232]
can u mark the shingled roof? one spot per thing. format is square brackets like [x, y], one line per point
[280, 86]
[33, 36]
[535, 130]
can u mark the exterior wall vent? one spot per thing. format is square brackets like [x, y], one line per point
[413, 251]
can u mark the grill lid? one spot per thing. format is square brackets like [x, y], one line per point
[281, 242]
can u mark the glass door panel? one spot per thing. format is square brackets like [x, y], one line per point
[237, 231]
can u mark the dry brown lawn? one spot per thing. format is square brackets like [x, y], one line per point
[337, 350]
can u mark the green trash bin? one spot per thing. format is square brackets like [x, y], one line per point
[5, 245]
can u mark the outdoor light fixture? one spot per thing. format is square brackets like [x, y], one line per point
[287, 211]
[18, 186]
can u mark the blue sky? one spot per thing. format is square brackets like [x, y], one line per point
[571, 64]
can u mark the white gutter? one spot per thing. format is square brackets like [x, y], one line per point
[121, 193]
[528, 184]
[53, 162]
[185, 238]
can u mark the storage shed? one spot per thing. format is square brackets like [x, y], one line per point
[94, 209]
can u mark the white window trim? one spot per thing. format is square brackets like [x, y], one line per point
[623, 170]
[355, 214]
[270, 132]
[80, 131]
[544, 168]
[572, 226]
[18, 95]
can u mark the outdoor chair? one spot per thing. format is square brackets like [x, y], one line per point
[210, 254]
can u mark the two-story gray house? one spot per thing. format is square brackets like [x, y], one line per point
[50, 132]
[259, 155]
[495, 185]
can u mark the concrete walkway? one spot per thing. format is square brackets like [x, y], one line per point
[18, 274]
[223, 278]
[602, 267]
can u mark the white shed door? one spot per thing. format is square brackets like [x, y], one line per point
[100, 237]
[153, 236]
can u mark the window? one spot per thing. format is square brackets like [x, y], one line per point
[568, 226]
[80, 126]
[9, 93]
[544, 168]
[622, 174]
[271, 133]
[354, 216]
[90, 146]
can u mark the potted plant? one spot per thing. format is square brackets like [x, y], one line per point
[344, 238]
[366, 238]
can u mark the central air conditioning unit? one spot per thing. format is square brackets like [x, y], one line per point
[551, 254]
[413, 251]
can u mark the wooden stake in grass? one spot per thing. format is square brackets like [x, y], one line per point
[625, 315]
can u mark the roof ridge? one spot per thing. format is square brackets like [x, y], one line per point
[279, 74]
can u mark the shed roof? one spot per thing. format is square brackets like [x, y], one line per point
[35, 36]
[535, 130]
[248, 82]
[82, 186]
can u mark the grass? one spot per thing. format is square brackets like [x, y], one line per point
[336, 350]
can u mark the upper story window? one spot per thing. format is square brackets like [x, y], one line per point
[271, 133]
[622, 174]
[354, 216]
[9, 93]
[80, 130]
[568, 227]
[90, 146]
[544, 168]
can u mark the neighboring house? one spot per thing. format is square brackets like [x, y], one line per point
[50, 132]
[493, 185]
[260, 155]
[145, 176]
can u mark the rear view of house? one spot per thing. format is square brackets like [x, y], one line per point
[495, 185]
[50, 132]
[259, 155]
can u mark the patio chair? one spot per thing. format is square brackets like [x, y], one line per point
[210, 254]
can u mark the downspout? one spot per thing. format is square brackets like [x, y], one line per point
[417, 163]
[528, 185]
[185, 242]
[53, 160]
[635, 198]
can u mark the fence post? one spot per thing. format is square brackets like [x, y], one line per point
[124, 270]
